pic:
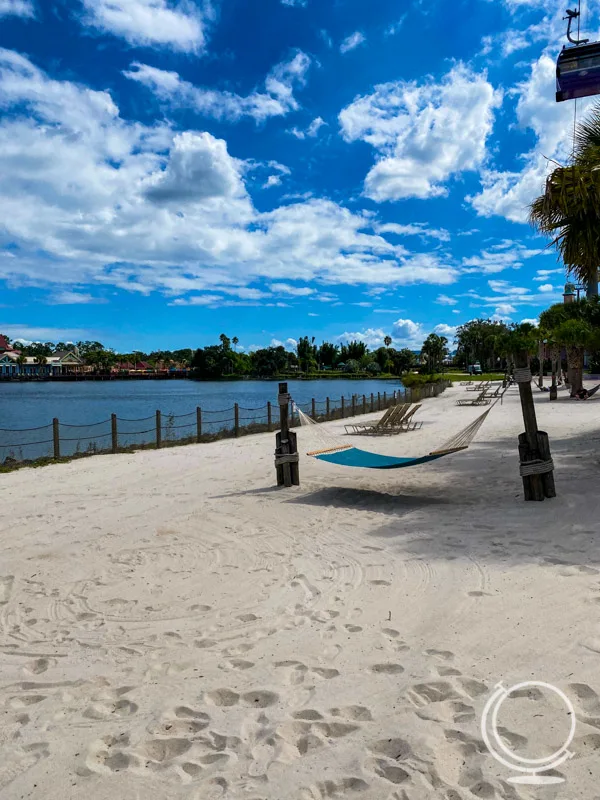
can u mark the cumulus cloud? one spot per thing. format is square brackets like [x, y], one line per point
[449, 331]
[179, 26]
[546, 287]
[28, 334]
[199, 168]
[352, 42]
[508, 193]
[296, 291]
[372, 337]
[96, 199]
[423, 133]
[276, 100]
[16, 8]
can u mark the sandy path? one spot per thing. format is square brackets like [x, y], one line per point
[173, 627]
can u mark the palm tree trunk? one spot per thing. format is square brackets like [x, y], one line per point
[592, 286]
[541, 354]
[553, 388]
[575, 365]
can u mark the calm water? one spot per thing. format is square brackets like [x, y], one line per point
[29, 405]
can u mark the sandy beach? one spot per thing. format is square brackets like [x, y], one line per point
[173, 626]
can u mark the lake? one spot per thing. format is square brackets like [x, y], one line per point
[84, 409]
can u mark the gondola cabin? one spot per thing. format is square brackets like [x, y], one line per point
[578, 72]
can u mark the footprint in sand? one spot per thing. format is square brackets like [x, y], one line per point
[6, 585]
[225, 698]
[387, 669]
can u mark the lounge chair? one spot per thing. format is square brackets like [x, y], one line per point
[480, 400]
[491, 392]
[479, 387]
[466, 383]
[392, 415]
[405, 423]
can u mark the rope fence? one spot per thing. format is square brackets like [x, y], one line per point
[119, 434]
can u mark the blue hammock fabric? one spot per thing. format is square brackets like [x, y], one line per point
[354, 457]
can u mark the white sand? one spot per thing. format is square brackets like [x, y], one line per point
[171, 626]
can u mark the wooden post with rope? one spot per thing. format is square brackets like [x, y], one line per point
[286, 448]
[536, 467]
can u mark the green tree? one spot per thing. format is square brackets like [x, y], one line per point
[307, 353]
[476, 341]
[403, 360]
[569, 209]
[434, 351]
[351, 366]
[327, 354]
[21, 361]
[387, 341]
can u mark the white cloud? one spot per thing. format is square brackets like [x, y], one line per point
[16, 8]
[530, 321]
[444, 300]
[272, 180]
[507, 255]
[199, 169]
[415, 229]
[423, 133]
[546, 287]
[509, 193]
[372, 337]
[28, 334]
[296, 291]
[67, 298]
[351, 42]
[180, 26]
[503, 311]
[96, 199]
[277, 99]
[395, 27]
[289, 344]
[312, 130]
[504, 287]
[544, 274]
[311, 314]
[449, 331]
[407, 333]
[295, 3]
[456, 311]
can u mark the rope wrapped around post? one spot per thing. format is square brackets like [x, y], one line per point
[537, 467]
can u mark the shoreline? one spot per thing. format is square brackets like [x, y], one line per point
[174, 626]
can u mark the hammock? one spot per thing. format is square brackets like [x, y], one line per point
[346, 455]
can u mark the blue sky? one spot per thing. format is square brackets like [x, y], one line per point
[171, 170]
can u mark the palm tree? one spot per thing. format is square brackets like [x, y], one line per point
[235, 341]
[41, 361]
[387, 341]
[21, 361]
[569, 209]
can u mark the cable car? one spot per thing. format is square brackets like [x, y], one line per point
[578, 67]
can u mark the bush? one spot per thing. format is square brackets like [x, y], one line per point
[413, 379]
[373, 367]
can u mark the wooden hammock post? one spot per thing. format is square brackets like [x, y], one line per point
[364, 411]
[536, 466]
[327, 411]
[286, 448]
[313, 409]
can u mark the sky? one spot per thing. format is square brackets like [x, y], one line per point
[175, 169]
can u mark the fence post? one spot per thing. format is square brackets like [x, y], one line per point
[353, 405]
[343, 408]
[236, 419]
[269, 417]
[378, 401]
[114, 433]
[158, 430]
[328, 409]
[372, 402]
[314, 408]
[364, 404]
[56, 437]
[385, 399]
[198, 423]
